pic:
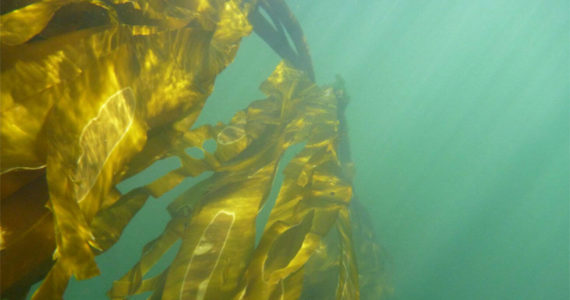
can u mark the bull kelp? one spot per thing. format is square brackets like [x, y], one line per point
[94, 92]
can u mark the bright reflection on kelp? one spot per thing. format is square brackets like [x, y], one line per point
[87, 103]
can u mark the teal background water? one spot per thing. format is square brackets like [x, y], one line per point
[459, 124]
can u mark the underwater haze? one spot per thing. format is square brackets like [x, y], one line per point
[459, 127]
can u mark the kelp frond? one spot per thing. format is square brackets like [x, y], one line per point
[89, 103]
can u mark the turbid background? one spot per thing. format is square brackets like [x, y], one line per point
[460, 134]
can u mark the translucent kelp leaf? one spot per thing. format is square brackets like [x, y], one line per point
[206, 255]
[112, 122]
[92, 132]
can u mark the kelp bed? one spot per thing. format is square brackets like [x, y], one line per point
[95, 91]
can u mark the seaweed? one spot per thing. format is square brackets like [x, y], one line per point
[88, 105]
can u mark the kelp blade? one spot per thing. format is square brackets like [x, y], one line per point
[218, 258]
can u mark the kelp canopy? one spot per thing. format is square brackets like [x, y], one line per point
[94, 92]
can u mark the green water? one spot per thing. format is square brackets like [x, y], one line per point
[460, 134]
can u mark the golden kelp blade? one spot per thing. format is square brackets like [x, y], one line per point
[313, 198]
[314, 190]
[219, 212]
[103, 92]
[217, 259]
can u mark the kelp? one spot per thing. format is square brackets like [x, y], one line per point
[89, 102]
[215, 219]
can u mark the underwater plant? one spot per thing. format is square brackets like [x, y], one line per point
[95, 91]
